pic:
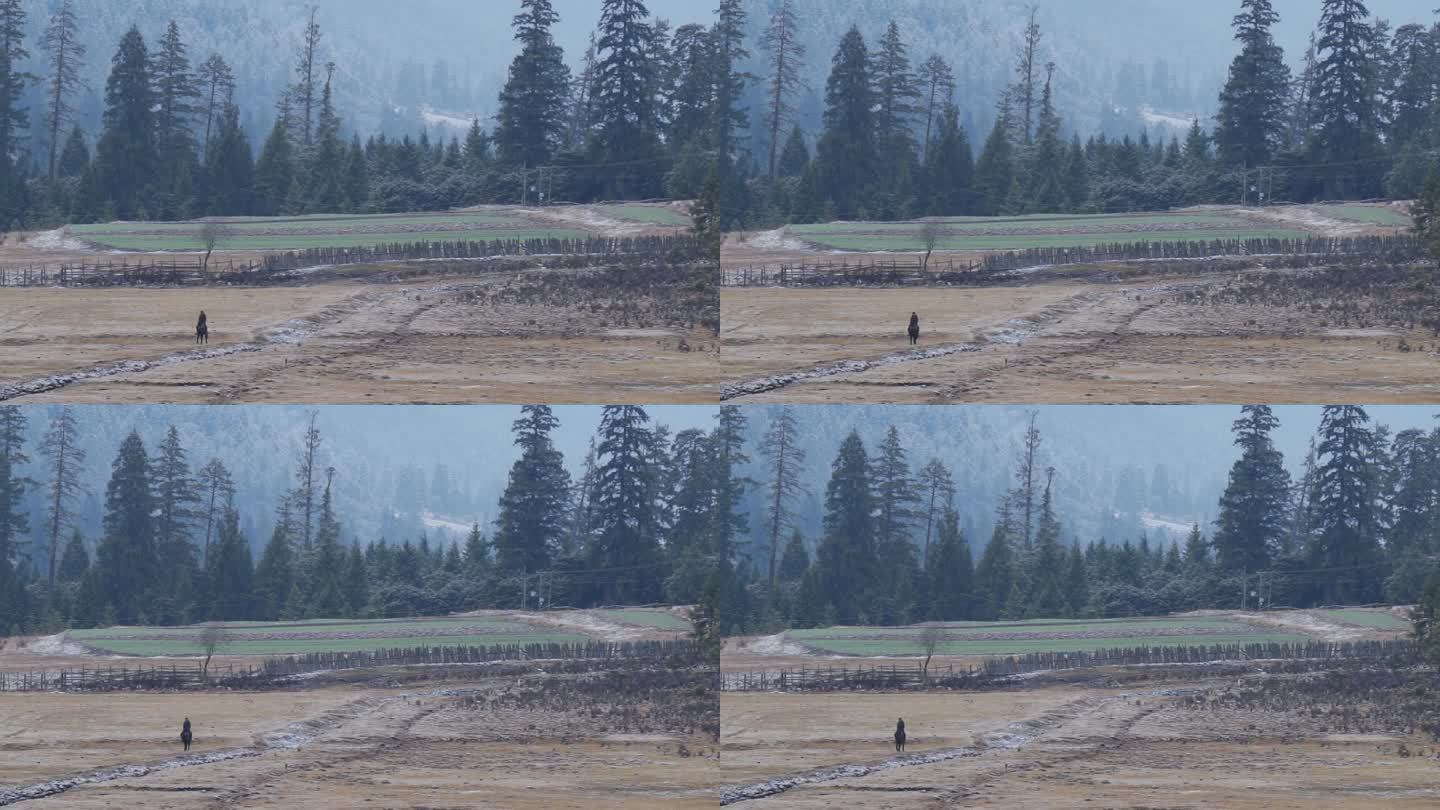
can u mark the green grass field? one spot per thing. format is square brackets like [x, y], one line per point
[283, 638]
[295, 233]
[654, 214]
[663, 620]
[1015, 638]
[1043, 230]
[1378, 215]
[1383, 620]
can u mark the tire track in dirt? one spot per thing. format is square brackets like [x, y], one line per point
[1012, 332]
[1013, 737]
[289, 737]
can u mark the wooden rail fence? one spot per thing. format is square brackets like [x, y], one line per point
[275, 671]
[901, 676]
[892, 271]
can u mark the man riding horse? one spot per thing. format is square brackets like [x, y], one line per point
[185, 735]
[202, 330]
[914, 329]
[900, 735]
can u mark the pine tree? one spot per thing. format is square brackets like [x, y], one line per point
[950, 168]
[995, 170]
[848, 552]
[328, 167]
[303, 91]
[176, 500]
[231, 574]
[231, 169]
[796, 560]
[847, 152]
[274, 575]
[728, 35]
[950, 572]
[897, 93]
[784, 52]
[176, 98]
[1344, 110]
[626, 120]
[1027, 61]
[531, 119]
[217, 494]
[215, 82]
[1346, 523]
[937, 81]
[65, 457]
[1048, 594]
[795, 156]
[625, 534]
[128, 557]
[274, 171]
[995, 573]
[1251, 120]
[14, 118]
[1253, 508]
[533, 505]
[75, 562]
[128, 153]
[896, 499]
[1047, 172]
[783, 459]
[14, 522]
[357, 583]
[327, 597]
[65, 59]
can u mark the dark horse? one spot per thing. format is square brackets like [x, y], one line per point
[185, 735]
[900, 735]
[202, 329]
[914, 329]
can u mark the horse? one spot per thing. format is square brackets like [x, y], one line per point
[185, 735]
[202, 329]
[914, 329]
[900, 735]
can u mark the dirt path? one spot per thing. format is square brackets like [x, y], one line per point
[1114, 714]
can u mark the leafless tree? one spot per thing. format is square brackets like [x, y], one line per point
[213, 638]
[939, 82]
[1025, 72]
[932, 233]
[930, 638]
[212, 235]
[218, 82]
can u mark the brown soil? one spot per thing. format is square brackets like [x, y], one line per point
[1096, 748]
[377, 747]
[365, 342]
[1061, 339]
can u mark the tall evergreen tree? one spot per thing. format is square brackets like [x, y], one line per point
[1251, 120]
[65, 457]
[14, 522]
[1346, 523]
[848, 551]
[128, 558]
[533, 506]
[625, 533]
[626, 121]
[128, 154]
[14, 118]
[950, 572]
[847, 152]
[65, 55]
[1253, 507]
[1345, 114]
[784, 51]
[531, 119]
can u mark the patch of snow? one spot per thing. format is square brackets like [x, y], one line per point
[587, 218]
[778, 239]
[1307, 623]
[777, 644]
[1153, 116]
[432, 116]
[774, 381]
[434, 521]
[58, 239]
[58, 644]
[54, 381]
[587, 623]
[1151, 521]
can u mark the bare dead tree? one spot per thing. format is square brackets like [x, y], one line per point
[212, 235]
[218, 81]
[219, 491]
[931, 636]
[932, 233]
[1025, 72]
[62, 45]
[306, 70]
[213, 638]
[785, 51]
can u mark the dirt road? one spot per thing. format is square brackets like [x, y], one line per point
[339, 341]
[1058, 340]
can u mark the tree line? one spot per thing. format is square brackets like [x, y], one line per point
[1358, 120]
[1357, 526]
[645, 521]
[643, 116]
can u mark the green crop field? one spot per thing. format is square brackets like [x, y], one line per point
[1375, 214]
[1047, 230]
[282, 638]
[1381, 619]
[295, 233]
[1014, 638]
[654, 214]
[663, 620]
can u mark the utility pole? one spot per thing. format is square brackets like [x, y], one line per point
[1244, 587]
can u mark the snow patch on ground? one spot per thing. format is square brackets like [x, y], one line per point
[1307, 623]
[778, 239]
[1151, 521]
[1307, 218]
[433, 521]
[58, 239]
[434, 117]
[589, 624]
[777, 644]
[54, 381]
[587, 218]
[774, 381]
[58, 644]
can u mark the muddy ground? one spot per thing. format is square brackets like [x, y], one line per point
[1063, 745]
[1070, 335]
[347, 338]
[376, 739]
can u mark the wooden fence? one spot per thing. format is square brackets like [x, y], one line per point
[910, 676]
[276, 671]
[275, 268]
[892, 271]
